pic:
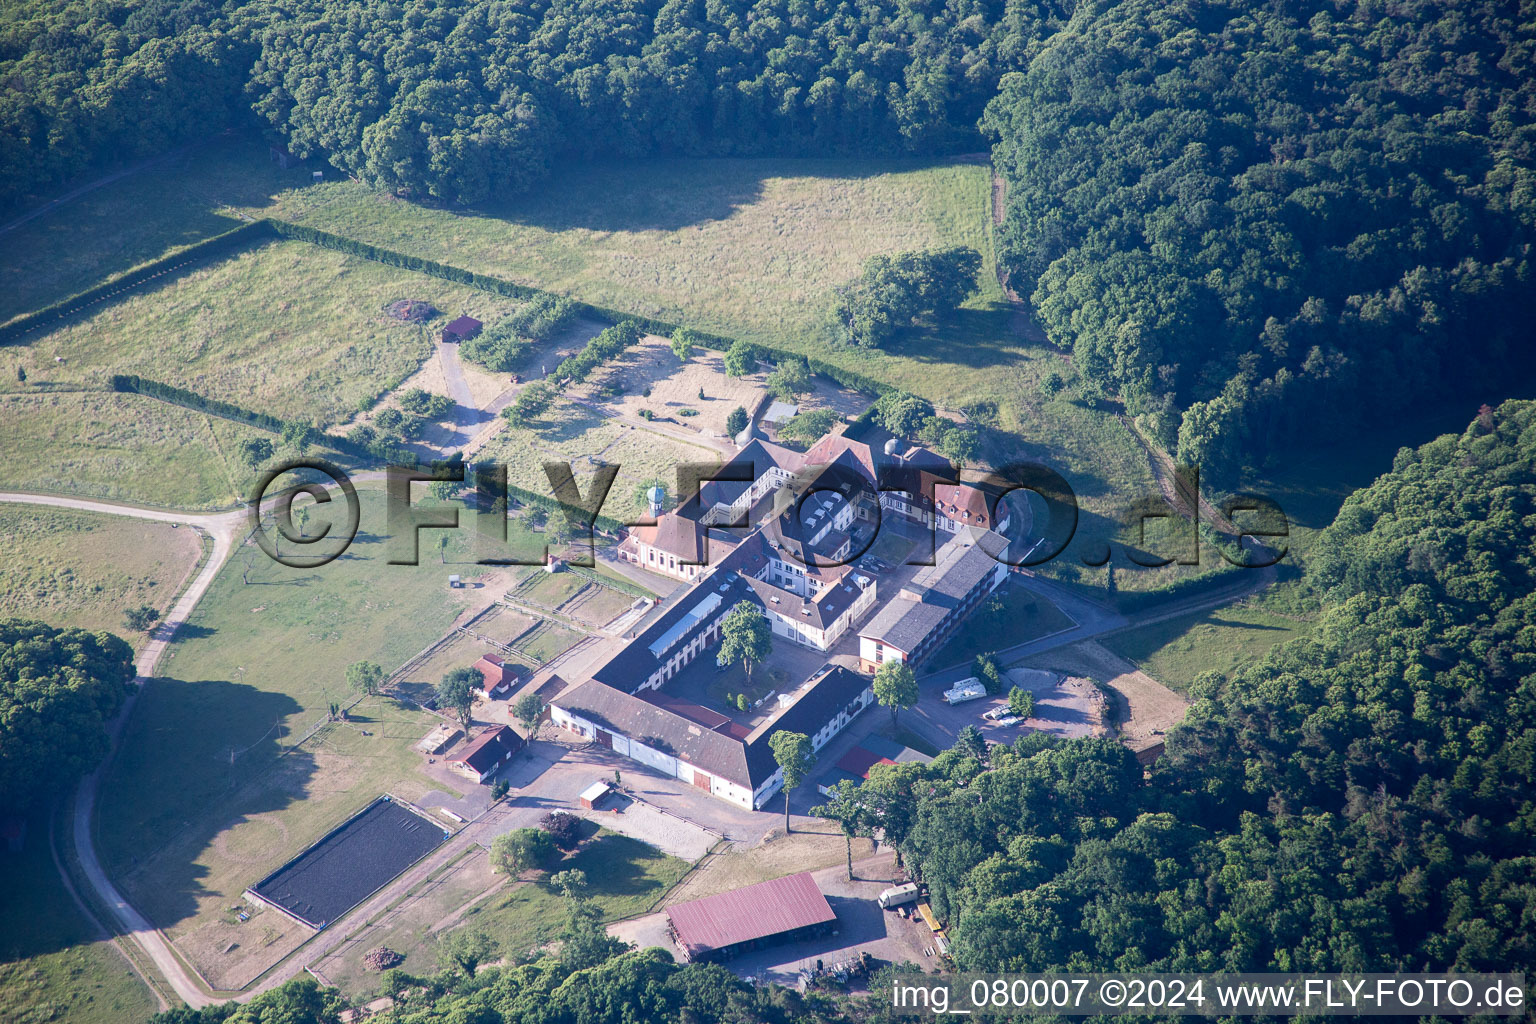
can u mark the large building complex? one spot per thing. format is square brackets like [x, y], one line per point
[777, 529]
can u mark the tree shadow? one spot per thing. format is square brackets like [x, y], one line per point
[669, 194]
[199, 758]
[191, 631]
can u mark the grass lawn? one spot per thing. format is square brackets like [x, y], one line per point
[79, 569]
[135, 220]
[285, 328]
[1011, 616]
[1177, 650]
[127, 447]
[212, 789]
[625, 878]
[53, 967]
[754, 249]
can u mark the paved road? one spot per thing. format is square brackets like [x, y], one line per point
[1093, 621]
[224, 528]
[466, 414]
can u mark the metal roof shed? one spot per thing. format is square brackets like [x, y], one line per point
[784, 908]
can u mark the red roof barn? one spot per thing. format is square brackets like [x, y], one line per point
[462, 329]
[779, 910]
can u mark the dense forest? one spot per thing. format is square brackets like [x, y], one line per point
[1260, 222]
[1361, 799]
[58, 690]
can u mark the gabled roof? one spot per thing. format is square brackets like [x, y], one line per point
[752, 912]
[676, 535]
[818, 702]
[755, 459]
[660, 729]
[930, 595]
[463, 325]
[488, 749]
[636, 660]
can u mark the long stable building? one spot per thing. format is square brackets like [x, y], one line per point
[779, 910]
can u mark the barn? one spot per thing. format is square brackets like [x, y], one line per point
[779, 910]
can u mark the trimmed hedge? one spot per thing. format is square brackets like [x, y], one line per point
[219, 245]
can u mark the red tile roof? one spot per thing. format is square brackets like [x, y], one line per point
[754, 912]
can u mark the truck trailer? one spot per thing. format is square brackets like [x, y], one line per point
[898, 895]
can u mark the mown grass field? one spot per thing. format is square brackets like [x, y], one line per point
[212, 789]
[54, 969]
[755, 249]
[125, 447]
[625, 878]
[1177, 650]
[78, 569]
[285, 328]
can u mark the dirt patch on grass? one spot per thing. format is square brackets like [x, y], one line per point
[811, 846]
[231, 953]
[1144, 708]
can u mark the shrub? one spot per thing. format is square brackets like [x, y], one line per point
[736, 422]
[564, 829]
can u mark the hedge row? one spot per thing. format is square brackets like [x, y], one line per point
[174, 395]
[484, 282]
[219, 245]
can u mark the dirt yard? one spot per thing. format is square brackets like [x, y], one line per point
[674, 387]
[814, 844]
[1144, 708]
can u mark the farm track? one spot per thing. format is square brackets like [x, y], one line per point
[224, 528]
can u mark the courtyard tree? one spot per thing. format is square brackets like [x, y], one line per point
[792, 377]
[740, 358]
[142, 618]
[736, 422]
[457, 692]
[465, 950]
[970, 742]
[563, 829]
[683, 341]
[1021, 702]
[745, 636]
[522, 849]
[895, 687]
[528, 709]
[795, 757]
[846, 807]
[365, 677]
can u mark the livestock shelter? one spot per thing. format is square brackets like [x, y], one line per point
[779, 910]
